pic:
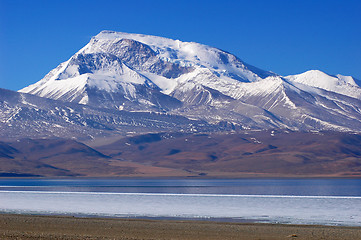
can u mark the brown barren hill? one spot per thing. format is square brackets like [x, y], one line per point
[220, 155]
[252, 153]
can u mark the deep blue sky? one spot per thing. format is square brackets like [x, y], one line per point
[283, 36]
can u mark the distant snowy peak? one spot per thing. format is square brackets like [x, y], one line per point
[317, 77]
[123, 62]
[345, 85]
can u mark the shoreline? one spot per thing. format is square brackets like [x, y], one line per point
[146, 218]
[20, 226]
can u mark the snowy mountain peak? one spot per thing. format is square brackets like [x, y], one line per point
[317, 76]
[122, 62]
[345, 85]
[189, 54]
[136, 72]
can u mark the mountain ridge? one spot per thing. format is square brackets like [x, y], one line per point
[140, 72]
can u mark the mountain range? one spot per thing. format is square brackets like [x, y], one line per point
[122, 85]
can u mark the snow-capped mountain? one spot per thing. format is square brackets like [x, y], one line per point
[135, 72]
[132, 69]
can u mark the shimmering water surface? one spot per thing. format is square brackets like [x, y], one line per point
[294, 201]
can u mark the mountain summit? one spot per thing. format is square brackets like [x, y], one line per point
[142, 73]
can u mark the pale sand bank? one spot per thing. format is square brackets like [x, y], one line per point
[55, 227]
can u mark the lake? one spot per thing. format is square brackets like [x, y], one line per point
[288, 201]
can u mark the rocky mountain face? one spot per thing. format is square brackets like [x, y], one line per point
[121, 74]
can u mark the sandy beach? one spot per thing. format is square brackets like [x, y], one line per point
[61, 227]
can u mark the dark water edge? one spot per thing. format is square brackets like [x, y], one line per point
[293, 187]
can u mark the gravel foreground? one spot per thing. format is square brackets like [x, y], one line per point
[59, 227]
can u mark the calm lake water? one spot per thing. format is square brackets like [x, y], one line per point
[290, 201]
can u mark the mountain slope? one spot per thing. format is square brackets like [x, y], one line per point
[251, 153]
[58, 158]
[135, 72]
[25, 115]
